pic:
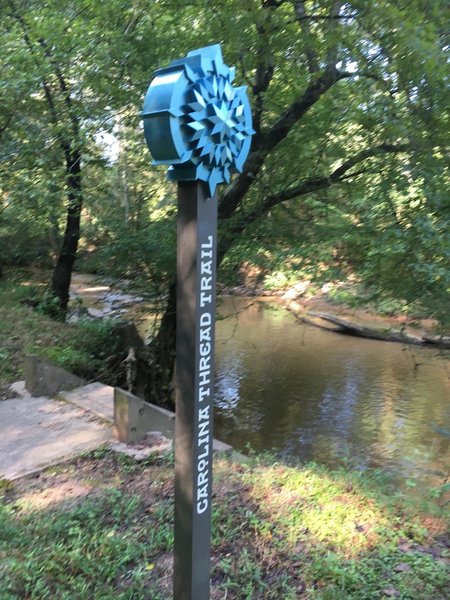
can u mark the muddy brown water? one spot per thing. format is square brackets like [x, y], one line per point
[324, 397]
[330, 398]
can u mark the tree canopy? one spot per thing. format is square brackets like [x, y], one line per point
[347, 171]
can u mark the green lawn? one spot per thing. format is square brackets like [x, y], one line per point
[100, 527]
[87, 348]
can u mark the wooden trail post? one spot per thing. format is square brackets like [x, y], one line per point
[197, 122]
[194, 372]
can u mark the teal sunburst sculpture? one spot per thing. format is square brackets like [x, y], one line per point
[196, 121]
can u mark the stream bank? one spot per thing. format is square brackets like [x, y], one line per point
[103, 297]
[315, 307]
[283, 385]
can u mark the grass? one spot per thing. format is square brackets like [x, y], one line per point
[84, 348]
[22, 329]
[101, 527]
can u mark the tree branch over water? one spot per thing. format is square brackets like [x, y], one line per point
[308, 186]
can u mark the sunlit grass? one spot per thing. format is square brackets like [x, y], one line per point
[328, 535]
[279, 532]
[330, 511]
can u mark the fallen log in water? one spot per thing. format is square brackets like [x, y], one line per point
[443, 341]
[346, 327]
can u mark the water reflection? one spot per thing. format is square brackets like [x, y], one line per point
[317, 395]
[327, 397]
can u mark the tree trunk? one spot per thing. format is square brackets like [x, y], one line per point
[62, 274]
[159, 369]
[346, 327]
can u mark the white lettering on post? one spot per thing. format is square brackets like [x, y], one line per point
[205, 349]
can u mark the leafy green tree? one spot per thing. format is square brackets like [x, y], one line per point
[67, 69]
[347, 96]
[347, 164]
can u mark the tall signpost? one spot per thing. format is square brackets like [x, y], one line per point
[199, 124]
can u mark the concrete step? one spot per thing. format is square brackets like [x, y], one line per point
[94, 397]
[19, 390]
[39, 432]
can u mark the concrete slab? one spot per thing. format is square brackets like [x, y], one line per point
[43, 378]
[134, 418]
[39, 432]
[94, 397]
[18, 389]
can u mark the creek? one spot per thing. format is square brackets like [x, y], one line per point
[320, 396]
[328, 397]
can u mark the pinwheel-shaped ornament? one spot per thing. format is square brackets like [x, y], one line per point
[196, 121]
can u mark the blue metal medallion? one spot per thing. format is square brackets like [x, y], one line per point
[196, 121]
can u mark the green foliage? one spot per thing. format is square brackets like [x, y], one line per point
[340, 530]
[89, 349]
[23, 243]
[80, 552]
[278, 532]
[38, 297]
[145, 253]
[92, 352]
[6, 486]
[383, 219]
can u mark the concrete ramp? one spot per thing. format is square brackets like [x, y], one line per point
[94, 397]
[38, 432]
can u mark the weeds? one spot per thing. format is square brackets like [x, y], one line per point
[88, 348]
[279, 532]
